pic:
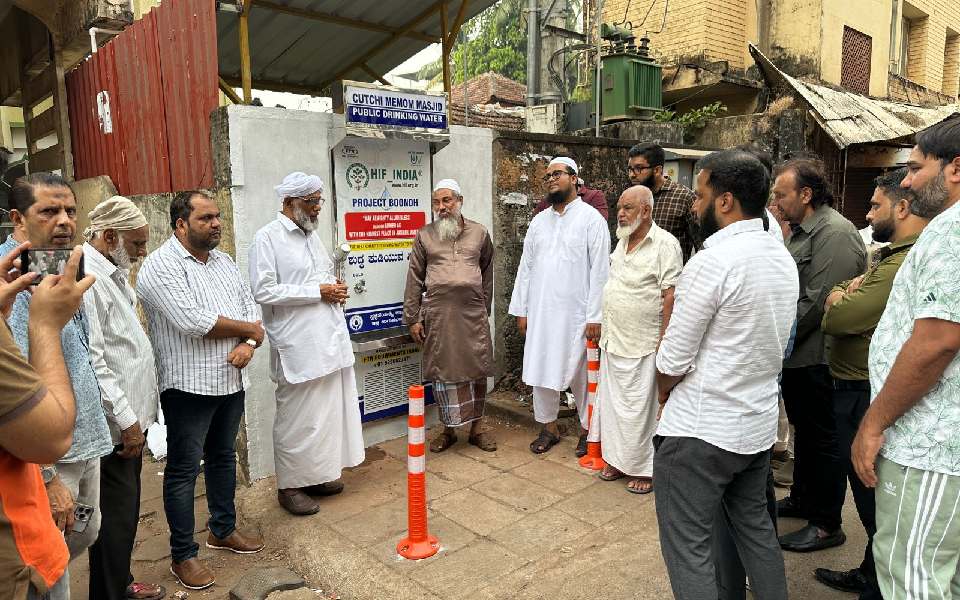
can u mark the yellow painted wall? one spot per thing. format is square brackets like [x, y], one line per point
[929, 72]
[871, 17]
[142, 7]
[685, 33]
[795, 30]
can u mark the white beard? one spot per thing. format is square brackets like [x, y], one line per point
[120, 257]
[304, 221]
[449, 228]
[625, 231]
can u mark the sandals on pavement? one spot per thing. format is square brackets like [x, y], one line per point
[484, 441]
[443, 441]
[610, 473]
[544, 442]
[581, 446]
[640, 481]
[145, 591]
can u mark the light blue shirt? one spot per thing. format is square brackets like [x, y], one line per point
[91, 436]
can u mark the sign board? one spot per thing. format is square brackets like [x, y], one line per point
[394, 109]
[383, 377]
[383, 198]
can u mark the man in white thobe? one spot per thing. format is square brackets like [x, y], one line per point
[316, 432]
[637, 303]
[556, 299]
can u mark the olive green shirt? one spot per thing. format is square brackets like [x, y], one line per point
[827, 249]
[851, 321]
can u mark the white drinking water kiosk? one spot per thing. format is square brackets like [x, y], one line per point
[382, 183]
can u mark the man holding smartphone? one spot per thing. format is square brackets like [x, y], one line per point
[44, 213]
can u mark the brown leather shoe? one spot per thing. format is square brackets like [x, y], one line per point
[295, 502]
[236, 542]
[192, 574]
[330, 488]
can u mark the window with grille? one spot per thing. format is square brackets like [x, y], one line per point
[855, 64]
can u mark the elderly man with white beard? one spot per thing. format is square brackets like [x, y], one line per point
[447, 305]
[316, 431]
[637, 303]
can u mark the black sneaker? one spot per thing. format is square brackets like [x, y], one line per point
[845, 581]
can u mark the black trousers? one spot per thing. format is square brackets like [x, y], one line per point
[819, 476]
[851, 399]
[199, 427]
[120, 513]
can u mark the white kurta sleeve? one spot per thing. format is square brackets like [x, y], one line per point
[519, 301]
[264, 280]
[598, 247]
[696, 303]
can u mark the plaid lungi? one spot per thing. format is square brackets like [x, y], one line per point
[460, 402]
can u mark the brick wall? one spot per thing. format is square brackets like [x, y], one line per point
[951, 64]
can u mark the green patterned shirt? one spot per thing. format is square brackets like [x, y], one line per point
[926, 287]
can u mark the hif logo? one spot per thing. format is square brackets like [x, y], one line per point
[416, 159]
[356, 322]
[358, 177]
[349, 152]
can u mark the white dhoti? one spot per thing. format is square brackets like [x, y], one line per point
[546, 401]
[627, 403]
[316, 432]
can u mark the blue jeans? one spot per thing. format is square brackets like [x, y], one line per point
[199, 427]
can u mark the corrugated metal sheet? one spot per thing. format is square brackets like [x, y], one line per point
[849, 118]
[286, 49]
[161, 80]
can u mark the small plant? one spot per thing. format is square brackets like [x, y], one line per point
[691, 120]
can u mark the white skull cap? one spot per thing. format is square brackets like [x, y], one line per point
[448, 184]
[566, 161]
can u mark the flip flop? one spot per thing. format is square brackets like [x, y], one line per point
[145, 591]
[544, 442]
[640, 491]
[617, 474]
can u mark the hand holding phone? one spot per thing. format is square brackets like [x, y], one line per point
[48, 261]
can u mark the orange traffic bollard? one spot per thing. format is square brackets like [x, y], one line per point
[418, 543]
[594, 457]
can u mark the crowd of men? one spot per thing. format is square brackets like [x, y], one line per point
[721, 314]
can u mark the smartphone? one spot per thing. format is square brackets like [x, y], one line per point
[47, 261]
[81, 516]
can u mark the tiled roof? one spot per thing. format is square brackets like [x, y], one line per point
[490, 88]
[492, 117]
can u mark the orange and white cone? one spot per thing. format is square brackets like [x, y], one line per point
[418, 543]
[594, 458]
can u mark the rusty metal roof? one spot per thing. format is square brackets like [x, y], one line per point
[293, 53]
[849, 118]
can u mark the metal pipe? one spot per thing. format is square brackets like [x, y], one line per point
[533, 52]
[597, 92]
[93, 36]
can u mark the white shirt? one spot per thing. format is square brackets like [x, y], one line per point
[633, 295]
[183, 298]
[307, 335]
[559, 287]
[734, 308]
[120, 350]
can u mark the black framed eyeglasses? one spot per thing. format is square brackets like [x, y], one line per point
[554, 175]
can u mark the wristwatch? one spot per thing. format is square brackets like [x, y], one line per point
[252, 343]
[48, 472]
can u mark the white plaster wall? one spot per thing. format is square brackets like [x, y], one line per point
[268, 143]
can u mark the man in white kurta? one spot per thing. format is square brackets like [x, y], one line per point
[556, 299]
[316, 432]
[637, 303]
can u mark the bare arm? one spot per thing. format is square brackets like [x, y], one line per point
[231, 328]
[667, 310]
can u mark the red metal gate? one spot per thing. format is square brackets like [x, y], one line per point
[140, 107]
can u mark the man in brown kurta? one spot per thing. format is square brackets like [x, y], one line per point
[446, 306]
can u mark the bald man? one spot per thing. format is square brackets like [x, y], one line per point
[447, 306]
[637, 303]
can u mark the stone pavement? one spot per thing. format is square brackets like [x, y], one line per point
[511, 525]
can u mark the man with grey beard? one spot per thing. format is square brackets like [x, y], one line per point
[122, 358]
[637, 304]
[316, 431]
[447, 306]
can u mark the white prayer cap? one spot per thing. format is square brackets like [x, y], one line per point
[566, 161]
[448, 184]
[299, 184]
[117, 213]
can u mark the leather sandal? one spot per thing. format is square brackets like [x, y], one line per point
[443, 441]
[544, 442]
[484, 441]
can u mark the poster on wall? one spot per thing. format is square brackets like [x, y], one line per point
[383, 198]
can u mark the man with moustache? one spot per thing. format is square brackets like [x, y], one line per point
[637, 303]
[717, 370]
[914, 419]
[44, 213]
[827, 249]
[671, 200]
[204, 326]
[557, 299]
[853, 310]
[316, 430]
[123, 360]
[447, 308]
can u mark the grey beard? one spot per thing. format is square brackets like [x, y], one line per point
[928, 201]
[625, 231]
[120, 256]
[448, 228]
[303, 221]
